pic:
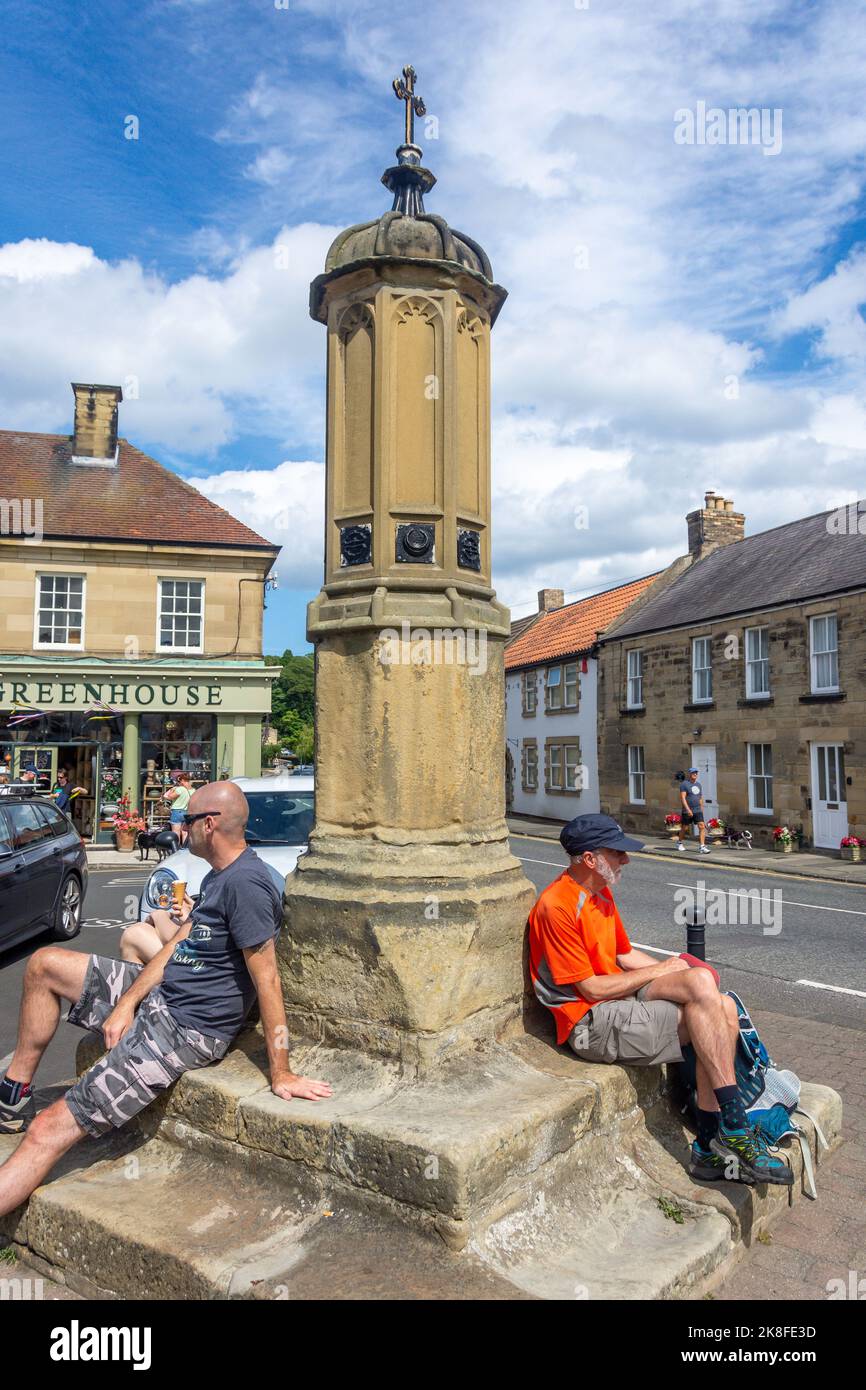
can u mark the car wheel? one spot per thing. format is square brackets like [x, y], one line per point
[67, 918]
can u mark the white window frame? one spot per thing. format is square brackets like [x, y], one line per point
[552, 784]
[179, 579]
[529, 692]
[553, 681]
[636, 774]
[530, 767]
[760, 660]
[566, 703]
[571, 774]
[634, 679]
[815, 654]
[753, 776]
[696, 670]
[58, 646]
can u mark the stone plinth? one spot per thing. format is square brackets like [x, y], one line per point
[405, 921]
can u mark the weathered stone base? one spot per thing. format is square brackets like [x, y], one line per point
[520, 1171]
[407, 947]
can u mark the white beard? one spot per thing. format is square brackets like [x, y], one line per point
[611, 876]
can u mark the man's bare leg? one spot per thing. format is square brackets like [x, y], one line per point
[140, 942]
[53, 974]
[706, 1096]
[49, 1137]
[706, 1024]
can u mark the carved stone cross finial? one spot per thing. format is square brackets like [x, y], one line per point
[404, 90]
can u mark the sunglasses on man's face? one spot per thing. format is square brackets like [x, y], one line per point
[199, 815]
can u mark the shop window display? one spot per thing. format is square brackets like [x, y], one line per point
[87, 747]
[173, 743]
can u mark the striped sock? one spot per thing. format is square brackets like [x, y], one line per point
[13, 1091]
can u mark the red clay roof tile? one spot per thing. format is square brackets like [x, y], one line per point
[573, 628]
[139, 500]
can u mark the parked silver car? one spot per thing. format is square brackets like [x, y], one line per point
[281, 818]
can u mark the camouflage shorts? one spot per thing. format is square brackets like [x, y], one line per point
[151, 1055]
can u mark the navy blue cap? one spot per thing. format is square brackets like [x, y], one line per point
[694, 769]
[595, 832]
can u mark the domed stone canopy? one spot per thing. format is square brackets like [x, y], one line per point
[424, 237]
[407, 233]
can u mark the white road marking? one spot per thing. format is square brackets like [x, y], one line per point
[786, 902]
[813, 984]
[837, 989]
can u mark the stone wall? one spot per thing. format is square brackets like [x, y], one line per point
[790, 721]
[121, 594]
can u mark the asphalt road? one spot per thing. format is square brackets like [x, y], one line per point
[810, 931]
[109, 894]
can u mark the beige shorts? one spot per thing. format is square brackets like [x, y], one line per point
[634, 1031]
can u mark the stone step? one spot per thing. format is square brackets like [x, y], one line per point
[523, 1172]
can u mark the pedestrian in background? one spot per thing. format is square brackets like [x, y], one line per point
[692, 798]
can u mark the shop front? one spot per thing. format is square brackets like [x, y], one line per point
[117, 732]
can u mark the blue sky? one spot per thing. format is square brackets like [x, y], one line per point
[681, 316]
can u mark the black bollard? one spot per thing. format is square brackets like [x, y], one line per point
[696, 942]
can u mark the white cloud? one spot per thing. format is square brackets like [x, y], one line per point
[40, 259]
[650, 283]
[201, 359]
[286, 505]
[833, 307]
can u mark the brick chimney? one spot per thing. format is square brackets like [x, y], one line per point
[95, 439]
[548, 599]
[715, 524]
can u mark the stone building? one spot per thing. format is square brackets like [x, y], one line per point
[746, 660]
[551, 759]
[131, 622]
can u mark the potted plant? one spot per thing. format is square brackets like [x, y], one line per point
[851, 848]
[783, 839]
[127, 823]
[715, 828]
[672, 826]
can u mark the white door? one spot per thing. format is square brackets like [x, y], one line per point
[704, 759]
[829, 796]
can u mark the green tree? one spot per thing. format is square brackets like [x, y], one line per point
[305, 743]
[293, 690]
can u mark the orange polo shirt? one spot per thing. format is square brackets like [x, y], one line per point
[573, 934]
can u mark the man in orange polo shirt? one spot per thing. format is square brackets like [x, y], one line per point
[612, 1003]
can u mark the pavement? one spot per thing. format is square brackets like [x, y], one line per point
[799, 863]
[107, 857]
[818, 1242]
[815, 1250]
[817, 1031]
